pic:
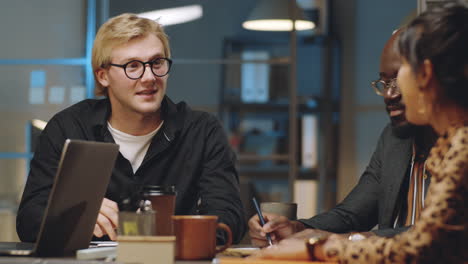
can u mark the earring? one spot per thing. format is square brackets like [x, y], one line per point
[421, 104]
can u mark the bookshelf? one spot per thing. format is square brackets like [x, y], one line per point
[266, 130]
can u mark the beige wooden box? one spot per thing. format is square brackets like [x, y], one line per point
[146, 249]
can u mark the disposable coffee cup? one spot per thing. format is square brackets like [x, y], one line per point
[285, 209]
[163, 202]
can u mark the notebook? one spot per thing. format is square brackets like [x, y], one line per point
[80, 184]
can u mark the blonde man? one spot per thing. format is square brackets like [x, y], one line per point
[161, 143]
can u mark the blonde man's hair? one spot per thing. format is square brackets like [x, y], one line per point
[117, 31]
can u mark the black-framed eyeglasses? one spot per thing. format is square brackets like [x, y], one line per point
[135, 69]
[381, 87]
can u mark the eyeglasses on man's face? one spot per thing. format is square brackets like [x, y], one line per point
[381, 87]
[135, 69]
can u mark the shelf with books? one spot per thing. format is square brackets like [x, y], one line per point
[259, 99]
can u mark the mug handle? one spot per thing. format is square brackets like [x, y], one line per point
[229, 241]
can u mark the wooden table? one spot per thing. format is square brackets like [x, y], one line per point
[23, 260]
[18, 260]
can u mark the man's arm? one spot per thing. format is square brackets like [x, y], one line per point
[43, 169]
[39, 183]
[359, 210]
[219, 182]
[390, 232]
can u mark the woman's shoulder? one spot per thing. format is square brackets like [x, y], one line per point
[460, 137]
[457, 155]
[458, 146]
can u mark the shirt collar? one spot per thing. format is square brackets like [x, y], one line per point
[172, 116]
[101, 112]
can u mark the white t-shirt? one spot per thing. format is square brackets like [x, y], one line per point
[133, 148]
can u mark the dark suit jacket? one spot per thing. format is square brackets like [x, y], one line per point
[373, 201]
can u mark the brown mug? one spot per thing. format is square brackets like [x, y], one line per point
[163, 202]
[196, 236]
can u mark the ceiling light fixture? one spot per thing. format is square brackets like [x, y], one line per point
[274, 15]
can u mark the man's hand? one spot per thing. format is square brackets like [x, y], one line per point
[278, 226]
[108, 219]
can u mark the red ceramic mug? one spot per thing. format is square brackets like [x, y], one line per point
[196, 236]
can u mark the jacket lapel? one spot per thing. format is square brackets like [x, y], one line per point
[173, 123]
[393, 174]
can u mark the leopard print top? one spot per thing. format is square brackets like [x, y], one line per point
[441, 234]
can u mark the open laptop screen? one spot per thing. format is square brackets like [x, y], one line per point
[80, 184]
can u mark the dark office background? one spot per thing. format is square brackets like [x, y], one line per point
[56, 29]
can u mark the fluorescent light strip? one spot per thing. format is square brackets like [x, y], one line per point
[277, 25]
[176, 15]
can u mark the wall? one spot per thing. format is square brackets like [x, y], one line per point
[33, 30]
[55, 28]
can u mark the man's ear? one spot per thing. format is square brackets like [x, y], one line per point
[425, 75]
[101, 76]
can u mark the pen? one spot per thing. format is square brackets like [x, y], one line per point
[262, 220]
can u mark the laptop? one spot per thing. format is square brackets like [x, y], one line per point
[80, 184]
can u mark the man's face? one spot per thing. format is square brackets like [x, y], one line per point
[389, 65]
[142, 96]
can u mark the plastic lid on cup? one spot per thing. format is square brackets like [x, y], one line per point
[159, 190]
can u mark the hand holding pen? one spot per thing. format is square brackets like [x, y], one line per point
[262, 220]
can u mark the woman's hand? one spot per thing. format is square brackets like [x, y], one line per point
[290, 248]
[321, 249]
[294, 247]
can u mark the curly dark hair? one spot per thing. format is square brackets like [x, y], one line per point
[441, 36]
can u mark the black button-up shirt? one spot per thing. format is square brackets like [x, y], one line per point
[190, 151]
